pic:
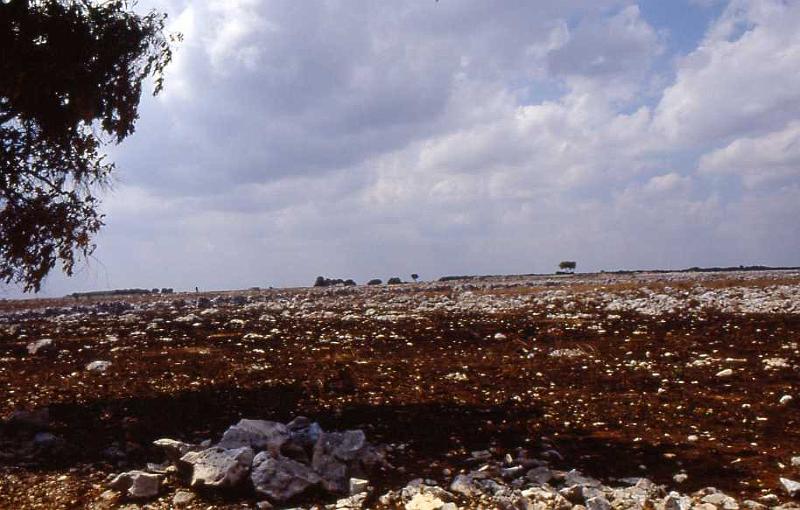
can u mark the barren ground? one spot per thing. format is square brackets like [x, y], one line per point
[621, 388]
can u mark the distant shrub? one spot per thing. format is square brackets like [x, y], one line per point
[394, 280]
[567, 265]
[455, 278]
[321, 281]
[375, 281]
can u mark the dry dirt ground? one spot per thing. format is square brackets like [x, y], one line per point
[433, 370]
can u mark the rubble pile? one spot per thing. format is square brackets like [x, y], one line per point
[276, 461]
[511, 483]
[529, 484]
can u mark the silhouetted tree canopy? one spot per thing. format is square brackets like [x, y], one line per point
[71, 75]
[568, 265]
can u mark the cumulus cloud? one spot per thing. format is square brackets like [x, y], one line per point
[383, 138]
[742, 78]
[757, 161]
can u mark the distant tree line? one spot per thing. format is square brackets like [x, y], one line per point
[322, 281]
[121, 292]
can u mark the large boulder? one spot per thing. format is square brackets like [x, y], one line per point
[219, 467]
[257, 434]
[281, 478]
[303, 435]
[335, 453]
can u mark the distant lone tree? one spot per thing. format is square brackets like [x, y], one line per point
[375, 281]
[394, 280]
[567, 266]
[415, 277]
[71, 75]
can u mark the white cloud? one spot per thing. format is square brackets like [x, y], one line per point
[758, 160]
[743, 78]
[362, 140]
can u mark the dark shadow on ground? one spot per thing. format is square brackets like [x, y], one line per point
[436, 435]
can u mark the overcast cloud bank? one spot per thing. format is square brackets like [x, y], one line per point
[385, 138]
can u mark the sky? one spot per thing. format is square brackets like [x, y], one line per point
[373, 139]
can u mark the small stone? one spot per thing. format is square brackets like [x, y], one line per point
[674, 501]
[785, 399]
[183, 498]
[43, 346]
[703, 506]
[464, 485]
[173, 449]
[598, 503]
[792, 487]
[424, 502]
[512, 472]
[769, 499]
[358, 485]
[575, 477]
[725, 373]
[540, 475]
[481, 455]
[680, 477]
[138, 484]
[108, 495]
[795, 461]
[98, 366]
[355, 502]
[721, 500]
[572, 493]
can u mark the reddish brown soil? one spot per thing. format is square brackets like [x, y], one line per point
[604, 417]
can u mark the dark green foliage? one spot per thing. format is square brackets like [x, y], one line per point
[71, 75]
[321, 281]
[567, 265]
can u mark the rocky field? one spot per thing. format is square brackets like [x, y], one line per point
[668, 391]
